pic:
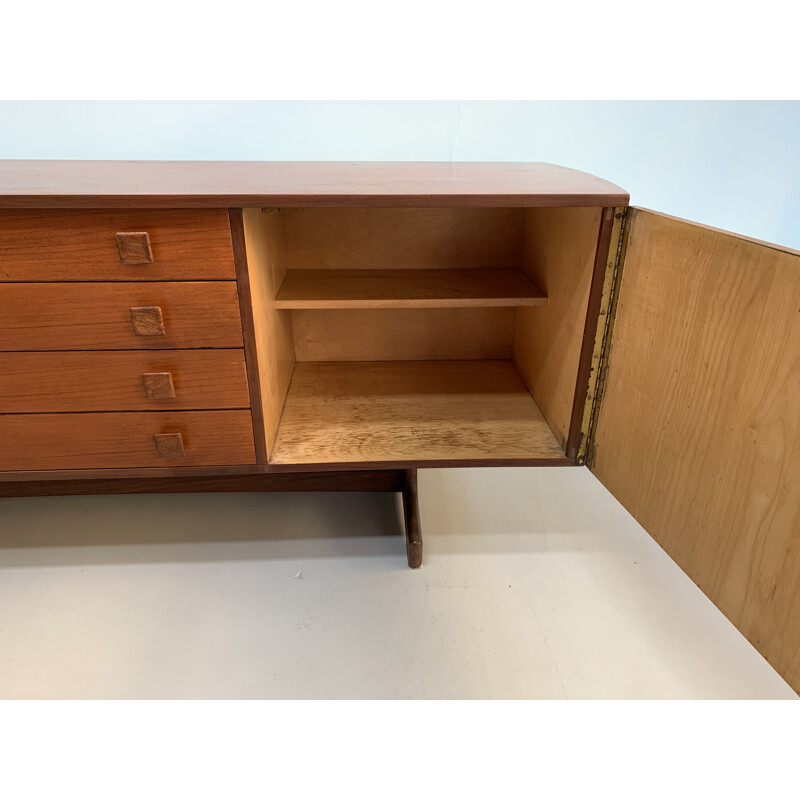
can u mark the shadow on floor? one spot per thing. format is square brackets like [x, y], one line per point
[121, 528]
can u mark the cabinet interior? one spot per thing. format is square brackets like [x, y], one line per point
[418, 334]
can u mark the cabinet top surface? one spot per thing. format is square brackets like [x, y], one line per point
[198, 184]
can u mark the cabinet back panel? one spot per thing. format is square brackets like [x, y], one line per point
[403, 334]
[403, 238]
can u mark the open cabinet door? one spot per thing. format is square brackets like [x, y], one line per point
[697, 429]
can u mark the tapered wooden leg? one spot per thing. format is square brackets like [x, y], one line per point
[413, 530]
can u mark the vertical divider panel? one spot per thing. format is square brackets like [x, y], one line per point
[274, 342]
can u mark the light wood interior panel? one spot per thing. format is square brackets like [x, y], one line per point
[407, 288]
[403, 334]
[403, 238]
[372, 412]
[266, 263]
[699, 429]
[558, 254]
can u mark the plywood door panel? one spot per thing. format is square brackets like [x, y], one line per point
[698, 433]
[559, 255]
[97, 316]
[403, 238]
[403, 334]
[82, 245]
[113, 380]
[120, 440]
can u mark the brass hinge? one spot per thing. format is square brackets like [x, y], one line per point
[605, 325]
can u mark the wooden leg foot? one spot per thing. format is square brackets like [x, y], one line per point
[413, 530]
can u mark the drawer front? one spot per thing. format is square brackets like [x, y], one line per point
[119, 440]
[119, 316]
[122, 381]
[115, 245]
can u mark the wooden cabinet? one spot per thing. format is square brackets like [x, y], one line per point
[248, 326]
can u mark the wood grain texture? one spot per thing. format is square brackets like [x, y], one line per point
[559, 255]
[165, 471]
[169, 472]
[408, 288]
[74, 245]
[235, 184]
[113, 381]
[411, 514]
[602, 280]
[248, 332]
[134, 248]
[77, 441]
[361, 481]
[266, 266]
[424, 463]
[410, 411]
[148, 321]
[158, 385]
[169, 445]
[403, 334]
[738, 236]
[403, 238]
[97, 316]
[699, 430]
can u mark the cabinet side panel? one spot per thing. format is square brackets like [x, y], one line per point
[559, 255]
[698, 433]
[264, 243]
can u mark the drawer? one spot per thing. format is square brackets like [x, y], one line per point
[134, 439]
[115, 245]
[122, 381]
[103, 316]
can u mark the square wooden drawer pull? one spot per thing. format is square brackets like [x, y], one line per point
[148, 321]
[169, 445]
[134, 248]
[158, 385]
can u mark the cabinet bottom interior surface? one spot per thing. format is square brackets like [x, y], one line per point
[394, 411]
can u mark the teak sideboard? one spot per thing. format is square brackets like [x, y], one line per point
[236, 326]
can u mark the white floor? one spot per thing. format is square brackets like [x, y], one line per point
[535, 584]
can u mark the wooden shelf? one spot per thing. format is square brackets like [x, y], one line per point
[407, 288]
[396, 411]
